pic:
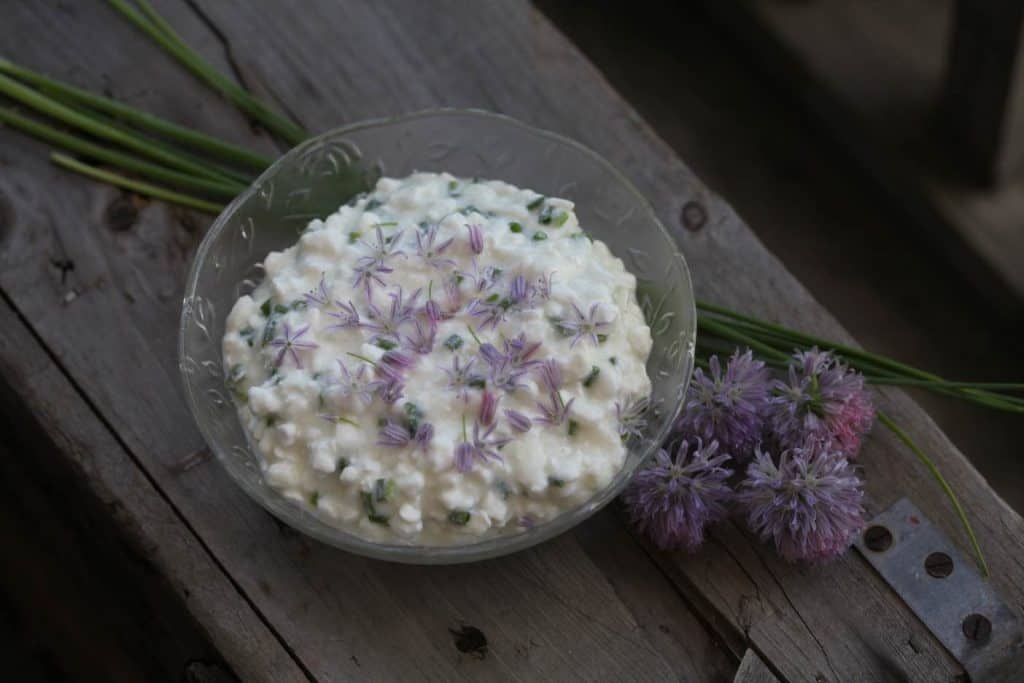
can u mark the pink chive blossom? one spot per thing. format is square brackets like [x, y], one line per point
[347, 316]
[727, 406]
[383, 249]
[319, 296]
[401, 311]
[424, 435]
[678, 496]
[495, 308]
[431, 254]
[397, 360]
[488, 408]
[585, 325]
[821, 403]
[289, 342]
[476, 239]
[369, 274]
[809, 503]
[542, 290]
[519, 422]
[558, 411]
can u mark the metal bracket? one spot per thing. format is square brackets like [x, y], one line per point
[945, 591]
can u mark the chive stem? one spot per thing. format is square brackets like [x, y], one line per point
[222, 189]
[67, 93]
[243, 99]
[135, 185]
[74, 118]
[930, 464]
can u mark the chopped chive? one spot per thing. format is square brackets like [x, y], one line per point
[613, 360]
[247, 333]
[540, 236]
[535, 203]
[458, 517]
[477, 382]
[265, 308]
[560, 219]
[372, 204]
[354, 236]
[473, 334]
[314, 498]
[383, 489]
[386, 344]
[574, 427]
[591, 376]
[545, 216]
[602, 338]
[453, 342]
[342, 464]
[556, 482]
[515, 227]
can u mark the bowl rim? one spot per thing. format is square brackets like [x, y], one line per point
[487, 548]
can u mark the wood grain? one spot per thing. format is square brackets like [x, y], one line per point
[574, 607]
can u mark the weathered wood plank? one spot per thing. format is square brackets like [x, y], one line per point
[167, 571]
[799, 619]
[753, 670]
[873, 73]
[547, 614]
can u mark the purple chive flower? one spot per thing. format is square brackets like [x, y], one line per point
[431, 253]
[369, 274]
[424, 435]
[632, 417]
[809, 504]
[482, 448]
[585, 325]
[677, 497]
[352, 384]
[422, 342]
[550, 374]
[289, 342]
[476, 239]
[488, 408]
[503, 371]
[388, 383]
[393, 435]
[401, 311]
[318, 296]
[495, 308]
[821, 403]
[518, 421]
[483, 278]
[383, 249]
[556, 413]
[727, 406]
[347, 316]
[520, 351]
[461, 378]
[542, 290]
[433, 312]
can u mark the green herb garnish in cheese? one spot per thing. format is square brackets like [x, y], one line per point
[458, 517]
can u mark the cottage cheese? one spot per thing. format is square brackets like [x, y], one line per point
[438, 361]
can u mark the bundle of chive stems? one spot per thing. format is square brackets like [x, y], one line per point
[196, 170]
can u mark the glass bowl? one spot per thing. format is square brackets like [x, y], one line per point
[321, 174]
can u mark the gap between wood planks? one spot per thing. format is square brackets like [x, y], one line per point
[112, 433]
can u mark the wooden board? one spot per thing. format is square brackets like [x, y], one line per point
[873, 74]
[593, 604]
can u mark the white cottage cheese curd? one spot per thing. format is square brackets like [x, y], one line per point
[438, 361]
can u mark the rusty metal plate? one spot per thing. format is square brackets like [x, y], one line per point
[946, 592]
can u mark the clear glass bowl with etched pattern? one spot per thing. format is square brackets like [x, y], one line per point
[315, 178]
